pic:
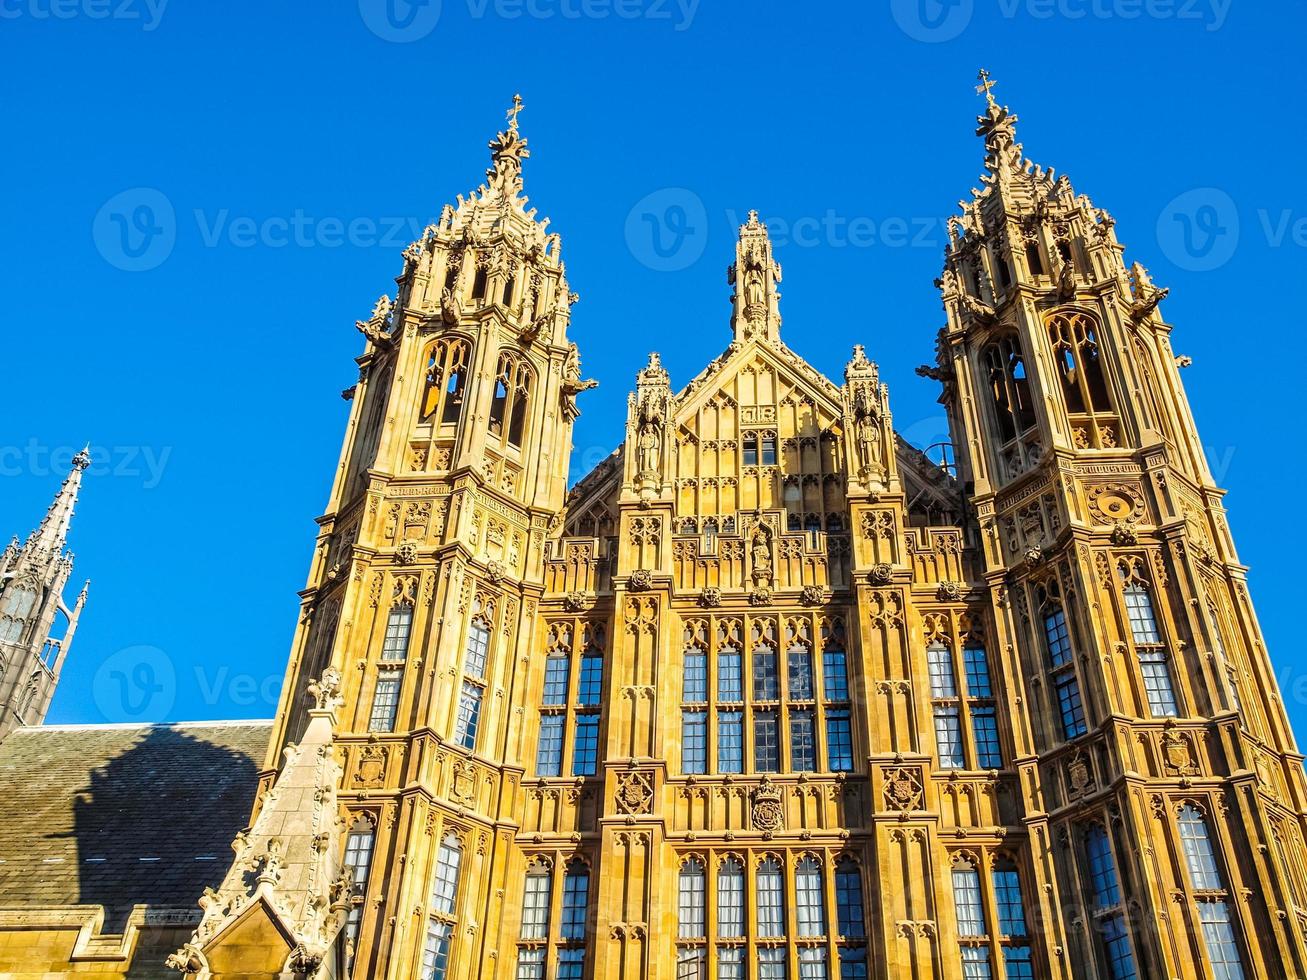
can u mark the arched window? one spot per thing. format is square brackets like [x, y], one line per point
[1076, 353]
[512, 395]
[691, 901]
[730, 900]
[809, 899]
[16, 605]
[770, 885]
[446, 381]
[1009, 388]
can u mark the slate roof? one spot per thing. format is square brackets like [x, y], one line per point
[120, 815]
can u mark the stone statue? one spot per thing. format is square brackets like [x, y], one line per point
[650, 445]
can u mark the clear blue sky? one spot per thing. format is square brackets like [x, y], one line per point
[208, 358]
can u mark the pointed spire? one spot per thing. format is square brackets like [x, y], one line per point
[507, 151]
[998, 127]
[53, 532]
[755, 275]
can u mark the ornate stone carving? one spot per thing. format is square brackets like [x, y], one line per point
[634, 792]
[768, 811]
[371, 770]
[1178, 752]
[950, 591]
[813, 595]
[576, 602]
[710, 598]
[641, 580]
[882, 573]
[406, 553]
[903, 788]
[761, 596]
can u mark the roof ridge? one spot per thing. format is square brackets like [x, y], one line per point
[125, 725]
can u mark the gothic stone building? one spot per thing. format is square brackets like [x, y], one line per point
[768, 694]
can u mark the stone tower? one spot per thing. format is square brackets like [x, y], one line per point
[423, 594]
[1158, 778]
[36, 624]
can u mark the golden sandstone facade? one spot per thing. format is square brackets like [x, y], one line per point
[768, 694]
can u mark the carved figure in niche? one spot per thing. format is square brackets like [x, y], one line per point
[868, 438]
[649, 444]
[760, 551]
[754, 294]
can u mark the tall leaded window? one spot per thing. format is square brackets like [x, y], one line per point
[803, 741]
[771, 964]
[446, 381]
[809, 899]
[835, 692]
[1007, 899]
[394, 645]
[385, 700]
[730, 899]
[695, 676]
[730, 676]
[1061, 661]
[549, 748]
[730, 963]
[766, 682]
[571, 698]
[1105, 901]
[358, 863]
[585, 757]
[800, 673]
[571, 964]
[690, 900]
[1209, 887]
[444, 896]
[576, 902]
[967, 903]
[535, 901]
[478, 646]
[1154, 660]
[769, 881]
[850, 916]
[530, 964]
[975, 963]
[468, 719]
[945, 706]
[694, 742]
[766, 742]
[730, 741]
[984, 726]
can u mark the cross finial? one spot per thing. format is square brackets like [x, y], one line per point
[512, 113]
[986, 87]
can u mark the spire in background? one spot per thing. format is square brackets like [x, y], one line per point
[51, 536]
